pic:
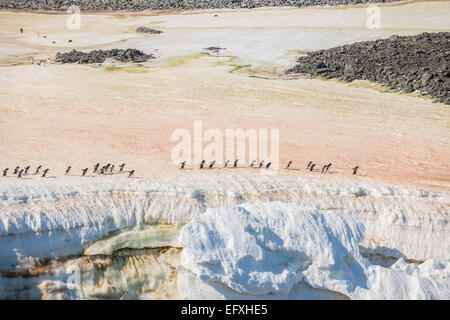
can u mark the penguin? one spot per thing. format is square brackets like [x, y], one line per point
[102, 170]
[16, 170]
[183, 164]
[96, 167]
[85, 170]
[44, 174]
[289, 165]
[21, 30]
[355, 170]
[5, 172]
[226, 163]
[235, 163]
[312, 167]
[112, 169]
[37, 170]
[309, 164]
[26, 170]
[324, 168]
[121, 167]
[202, 164]
[68, 170]
[329, 166]
[252, 164]
[131, 174]
[211, 165]
[20, 174]
[107, 166]
[268, 165]
[261, 164]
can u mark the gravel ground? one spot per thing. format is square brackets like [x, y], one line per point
[414, 63]
[99, 56]
[57, 5]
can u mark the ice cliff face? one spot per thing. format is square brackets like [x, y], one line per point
[47, 226]
[271, 249]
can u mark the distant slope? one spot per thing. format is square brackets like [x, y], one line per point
[58, 5]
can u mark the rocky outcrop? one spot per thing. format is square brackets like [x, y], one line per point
[407, 64]
[147, 30]
[60, 5]
[99, 56]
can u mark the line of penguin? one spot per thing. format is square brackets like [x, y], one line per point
[262, 164]
[108, 169]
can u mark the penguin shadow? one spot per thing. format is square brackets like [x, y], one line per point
[76, 175]
[186, 169]
[292, 169]
[360, 175]
[133, 176]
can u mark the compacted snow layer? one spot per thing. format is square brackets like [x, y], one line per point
[270, 248]
[57, 218]
[48, 224]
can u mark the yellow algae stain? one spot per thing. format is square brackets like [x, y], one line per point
[384, 89]
[128, 69]
[372, 85]
[180, 60]
[230, 61]
[369, 85]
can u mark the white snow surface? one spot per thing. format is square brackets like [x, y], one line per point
[272, 237]
[58, 218]
[275, 250]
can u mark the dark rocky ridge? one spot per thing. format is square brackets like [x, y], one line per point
[99, 56]
[58, 5]
[412, 63]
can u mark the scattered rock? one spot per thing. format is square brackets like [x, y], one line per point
[425, 78]
[401, 63]
[99, 56]
[349, 69]
[147, 30]
[214, 49]
[408, 88]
